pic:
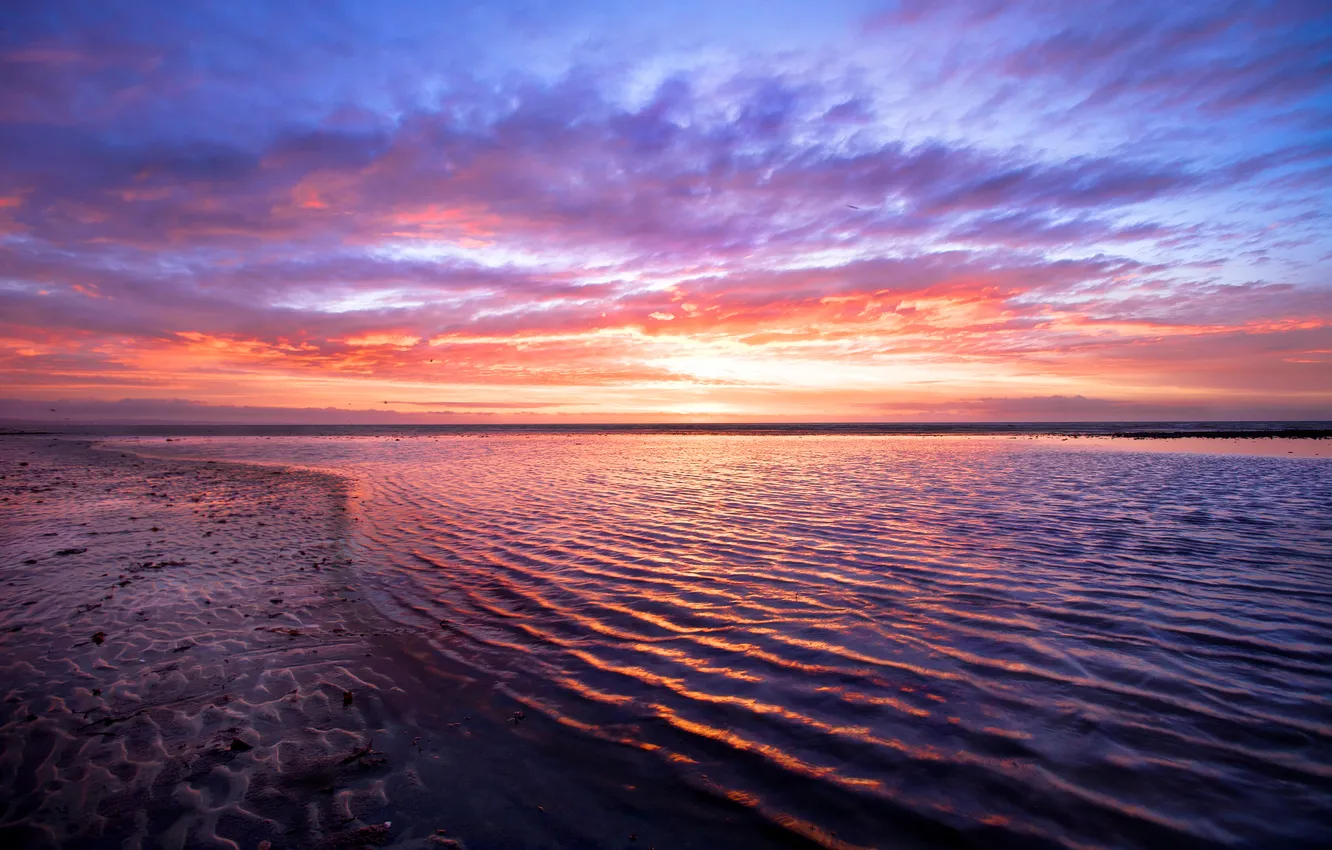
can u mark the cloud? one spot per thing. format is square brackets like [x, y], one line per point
[479, 405]
[182, 411]
[1123, 201]
[1078, 408]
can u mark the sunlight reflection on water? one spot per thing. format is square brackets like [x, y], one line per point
[1086, 646]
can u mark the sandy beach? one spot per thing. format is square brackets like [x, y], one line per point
[183, 659]
[185, 664]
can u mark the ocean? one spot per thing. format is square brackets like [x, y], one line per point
[869, 640]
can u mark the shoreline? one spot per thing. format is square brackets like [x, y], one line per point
[1308, 430]
[187, 661]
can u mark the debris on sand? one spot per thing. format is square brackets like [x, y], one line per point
[98, 638]
[63, 552]
[239, 746]
[150, 565]
[365, 755]
[346, 698]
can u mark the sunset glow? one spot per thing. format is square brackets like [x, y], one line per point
[737, 211]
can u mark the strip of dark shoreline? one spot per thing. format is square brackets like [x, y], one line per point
[1138, 430]
[1281, 434]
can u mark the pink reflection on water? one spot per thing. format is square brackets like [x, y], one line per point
[1068, 640]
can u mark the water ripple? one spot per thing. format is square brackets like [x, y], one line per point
[872, 638]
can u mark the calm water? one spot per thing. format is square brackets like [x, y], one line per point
[865, 635]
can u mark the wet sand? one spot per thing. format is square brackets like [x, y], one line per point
[185, 661]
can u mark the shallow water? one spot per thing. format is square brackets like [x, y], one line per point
[870, 637]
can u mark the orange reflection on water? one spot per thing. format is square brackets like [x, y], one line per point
[963, 627]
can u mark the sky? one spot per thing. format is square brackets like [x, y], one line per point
[743, 210]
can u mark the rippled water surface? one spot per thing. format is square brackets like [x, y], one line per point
[866, 637]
